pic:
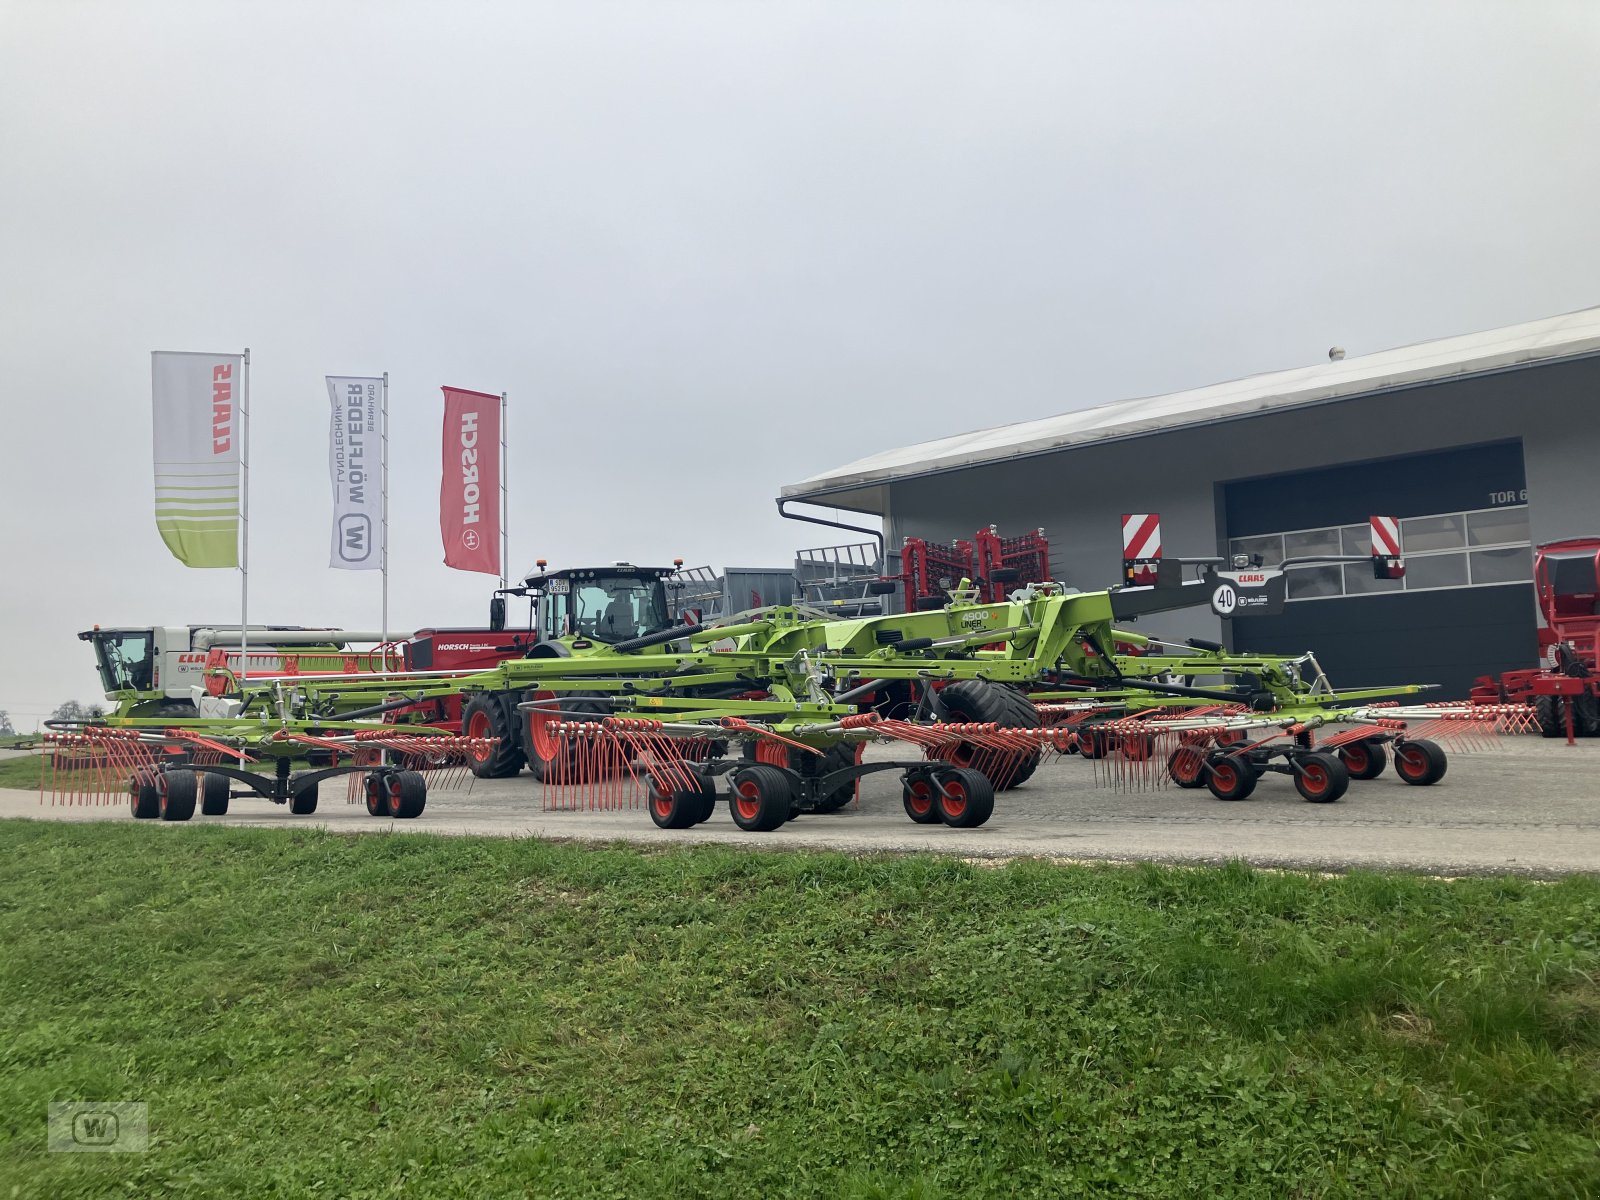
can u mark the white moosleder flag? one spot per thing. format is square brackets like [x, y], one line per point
[355, 449]
[197, 438]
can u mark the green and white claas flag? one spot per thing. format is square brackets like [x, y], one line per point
[196, 407]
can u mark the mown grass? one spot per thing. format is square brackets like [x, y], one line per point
[383, 1015]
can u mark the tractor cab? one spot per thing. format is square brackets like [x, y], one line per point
[577, 605]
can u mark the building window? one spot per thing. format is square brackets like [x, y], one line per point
[1482, 548]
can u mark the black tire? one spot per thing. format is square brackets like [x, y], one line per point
[838, 757]
[143, 802]
[1186, 767]
[214, 795]
[302, 800]
[981, 700]
[679, 808]
[1364, 759]
[494, 714]
[376, 795]
[1230, 777]
[1320, 778]
[175, 794]
[1552, 717]
[761, 798]
[562, 768]
[408, 794]
[181, 709]
[1586, 716]
[963, 797]
[1420, 762]
[917, 797]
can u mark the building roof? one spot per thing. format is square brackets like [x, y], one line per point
[858, 484]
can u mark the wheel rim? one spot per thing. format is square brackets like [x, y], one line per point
[1135, 749]
[394, 793]
[747, 799]
[478, 727]
[920, 798]
[1356, 758]
[1315, 777]
[1413, 764]
[1225, 775]
[161, 794]
[660, 801]
[1186, 768]
[955, 798]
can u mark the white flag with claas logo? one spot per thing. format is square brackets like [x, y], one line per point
[355, 456]
[195, 416]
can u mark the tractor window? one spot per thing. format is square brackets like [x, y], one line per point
[613, 608]
[124, 661]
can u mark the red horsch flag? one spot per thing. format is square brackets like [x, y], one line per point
[469, 490]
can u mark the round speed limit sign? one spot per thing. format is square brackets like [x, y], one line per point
[1224, 600]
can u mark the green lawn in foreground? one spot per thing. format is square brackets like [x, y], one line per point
[309, 1014]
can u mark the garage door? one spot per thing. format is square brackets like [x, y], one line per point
[1465, 607]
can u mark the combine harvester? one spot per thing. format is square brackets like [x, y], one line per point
[614, 700]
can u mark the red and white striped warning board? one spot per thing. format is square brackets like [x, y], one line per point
[1385, 537]
[1141, 536]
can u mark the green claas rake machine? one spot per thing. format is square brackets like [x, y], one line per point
[615, 704]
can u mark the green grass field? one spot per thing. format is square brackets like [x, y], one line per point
[21, 772]
[385, 1015]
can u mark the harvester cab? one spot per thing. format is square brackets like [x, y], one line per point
[574, 608]
[154, 671]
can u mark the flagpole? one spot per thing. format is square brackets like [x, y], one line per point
[505, 506]
[383, 461]
[244, 527]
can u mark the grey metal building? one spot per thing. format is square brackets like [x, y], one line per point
[1485, 445]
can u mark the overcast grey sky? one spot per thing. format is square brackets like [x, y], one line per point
[711, 248]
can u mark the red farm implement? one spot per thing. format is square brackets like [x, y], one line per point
[994, 564]
[1565, 691]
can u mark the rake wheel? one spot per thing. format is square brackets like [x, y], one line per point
[1364, 760]
[761, 798]
[1320, 778]
[175, 795]
[838, 757]
[679, 808]
[302, 800]
[407, 793]
[214, 795]
[916, 794]
[1230, 778]
[1420, 762]
[963, 797]
[143, 802]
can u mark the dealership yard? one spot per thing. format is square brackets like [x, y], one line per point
[1530, 807]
